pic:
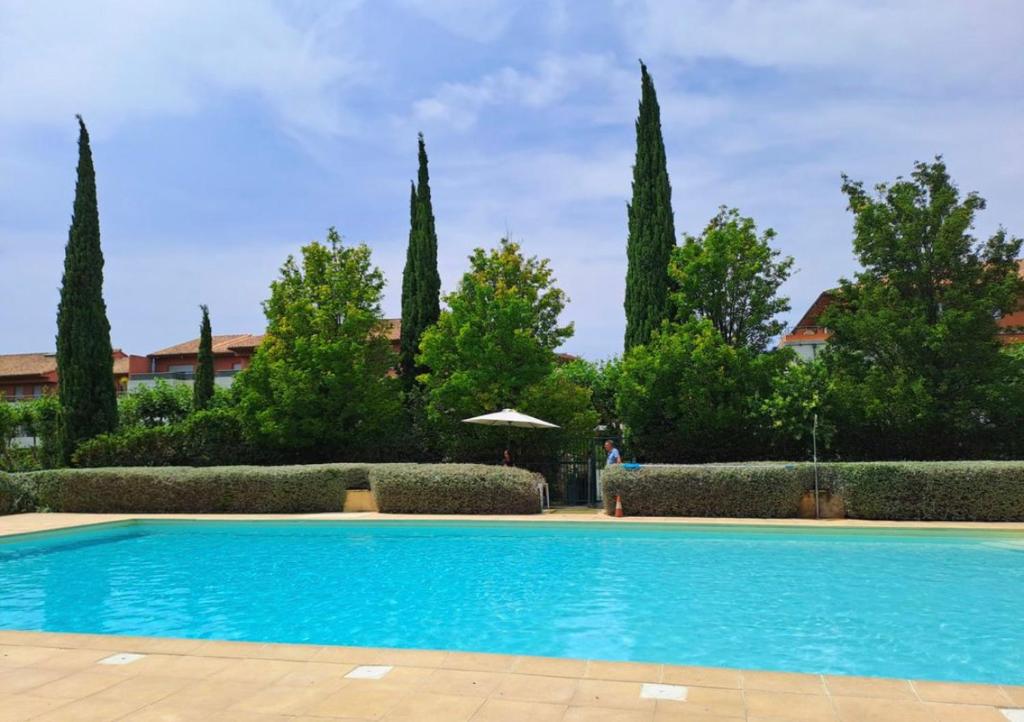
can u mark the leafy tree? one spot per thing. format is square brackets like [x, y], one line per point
[799, 391]
[84, 355]
[731, 276]
[601, 378]
[687, 396]
[319, 385]
[494, 348]
[651, 226]
[157, 405]
[203, 384]
[421, 284]
[914, 353]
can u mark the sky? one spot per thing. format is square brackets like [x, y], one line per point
[226, 135]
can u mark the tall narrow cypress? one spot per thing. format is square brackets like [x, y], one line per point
[421, 283]
[202, 389]
[651, 225]
[88, 401]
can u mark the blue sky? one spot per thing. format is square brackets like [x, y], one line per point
[228, 134]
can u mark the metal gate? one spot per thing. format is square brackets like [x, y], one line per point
[573, 477]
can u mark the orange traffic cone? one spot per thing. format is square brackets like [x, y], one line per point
[618, 506]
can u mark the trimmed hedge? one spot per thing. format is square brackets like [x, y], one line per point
[195, 490]
[454, 489]
[896, 491]
[736, 490]
[930, 491]
[15, 497]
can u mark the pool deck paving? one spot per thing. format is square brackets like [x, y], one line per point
[57, 676]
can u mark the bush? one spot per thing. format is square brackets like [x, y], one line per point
[911, 490]
[15, 496]
[206, 438]
[738, 490]
[188, 490]
[937, 491]
[454, 489]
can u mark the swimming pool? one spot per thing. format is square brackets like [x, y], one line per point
[931, 605]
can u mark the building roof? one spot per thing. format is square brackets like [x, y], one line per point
[28, 364]
[236, 342]
[222, 343]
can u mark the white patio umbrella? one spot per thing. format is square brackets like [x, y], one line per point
[509, 418]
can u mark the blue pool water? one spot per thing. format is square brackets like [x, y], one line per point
[903, 604]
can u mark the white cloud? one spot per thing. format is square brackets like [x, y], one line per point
[935, 43]
[552, 80]
[479, 20]
[116, 61]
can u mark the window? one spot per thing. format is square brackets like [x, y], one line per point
[37, 391]
[19, 392]
[178, 368]
[237, 366]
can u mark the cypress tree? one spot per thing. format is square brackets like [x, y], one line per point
[421, 283]
[88, 401]
[202, 389]
[651, 226]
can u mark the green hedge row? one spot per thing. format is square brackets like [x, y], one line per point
[454, 489]
[195, 490]
[739, 490]
[925, 491]
[938, 491]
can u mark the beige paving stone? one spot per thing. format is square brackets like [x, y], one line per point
[279, 699]
[603, 714]
[1016, 694]
[788, 705]
[537, 688]
[943, 712]
[17, 707]
[962, 693]
[15, 680]
[866, 709]
[869, 687]
[265, 671]
[165, 713]
[169, 665]
[143, 688]
[479, 662]
[608, 693]
[292, 652]
[624, 671]
[429, 707]
[72, 659]
[361, 701]
[76, 685]
[412, 678]
[23, 656]
[509, 710]
[684, 714]
[317, 674]
[90, 709]
[784, 682]
[231, 650]
[211, 694]
[550, 666]
[702, 676]
[708, 701]
[348, 655]
[461, 682]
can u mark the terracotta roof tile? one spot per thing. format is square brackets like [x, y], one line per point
[28, 364]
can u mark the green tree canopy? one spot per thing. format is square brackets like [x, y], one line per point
[731, 276]
[85, 364]
[320, 383]
[421, 284]
[687, 396]
[652, 234]
[916, 362]
[202, 388]
[493, 348]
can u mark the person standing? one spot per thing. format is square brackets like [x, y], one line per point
[614, 457]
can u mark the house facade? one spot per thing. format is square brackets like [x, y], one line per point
[25, 376]
[809, 336]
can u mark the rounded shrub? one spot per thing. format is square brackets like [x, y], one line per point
[454, 489]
